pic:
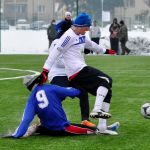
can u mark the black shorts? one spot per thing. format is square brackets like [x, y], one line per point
[60, 81]
[90, 79]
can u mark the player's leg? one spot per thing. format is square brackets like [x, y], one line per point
[96, 83]
[98, 111]
[102, 127]
[84, 107]
[102, 124]
[60, 81]
[101, 84]
[40, 130]
[79, 129]
[31, 130]
[84, 102]
[74, 129]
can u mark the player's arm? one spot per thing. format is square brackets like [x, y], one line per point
[53, 55]
[58, 49]
[97, 48]
[63, 92]
[63, 43]
[27, 118]
[59, 25]
[61, 46]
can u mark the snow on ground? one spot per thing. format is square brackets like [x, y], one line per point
[36, 42]
[24, 42]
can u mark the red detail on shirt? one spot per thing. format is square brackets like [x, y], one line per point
[44, 69]
[73, 76]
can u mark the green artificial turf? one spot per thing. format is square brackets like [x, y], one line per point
[131, 89]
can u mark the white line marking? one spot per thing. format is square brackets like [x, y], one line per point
[12, 78]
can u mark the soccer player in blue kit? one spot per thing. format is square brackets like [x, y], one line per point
[45, 101]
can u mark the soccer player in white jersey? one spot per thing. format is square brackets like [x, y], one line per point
[71, 45]
[57, 76]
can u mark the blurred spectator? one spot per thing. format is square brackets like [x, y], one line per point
[51, 32]
[114, 31]
[95, 32]
[123, 38]
[64, 24]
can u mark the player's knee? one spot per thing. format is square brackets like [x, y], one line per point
[110, 82]
[107, 82]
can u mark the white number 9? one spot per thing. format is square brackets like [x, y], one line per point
[41, 97]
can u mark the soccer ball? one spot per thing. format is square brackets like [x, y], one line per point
[145, 110]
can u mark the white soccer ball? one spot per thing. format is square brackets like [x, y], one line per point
[145, 110]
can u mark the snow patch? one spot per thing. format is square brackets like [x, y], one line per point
[36, 42]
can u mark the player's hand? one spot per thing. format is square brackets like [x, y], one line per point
[7, 136]
[42, 78]
[110, 51]
[38, 80]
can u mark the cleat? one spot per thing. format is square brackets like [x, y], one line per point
[105, 132]
[88, 123]
[100, 114]
[114, 126]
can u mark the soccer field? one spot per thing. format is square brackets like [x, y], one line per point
[131, 89]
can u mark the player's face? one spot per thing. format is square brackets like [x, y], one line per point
[83, 30]
[68, 17]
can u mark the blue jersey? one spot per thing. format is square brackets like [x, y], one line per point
[45, 101]
[63, 26]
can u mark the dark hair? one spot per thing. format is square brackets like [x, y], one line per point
[121, 22]
[115, 19]
[53, 21]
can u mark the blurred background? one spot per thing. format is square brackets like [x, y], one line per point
[136, 13]
[24, 23]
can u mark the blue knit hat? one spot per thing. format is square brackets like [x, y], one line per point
[82, 20]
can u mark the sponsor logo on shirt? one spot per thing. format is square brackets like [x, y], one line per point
[81, 40]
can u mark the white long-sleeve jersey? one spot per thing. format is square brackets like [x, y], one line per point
[58, 68]
[71, 47]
